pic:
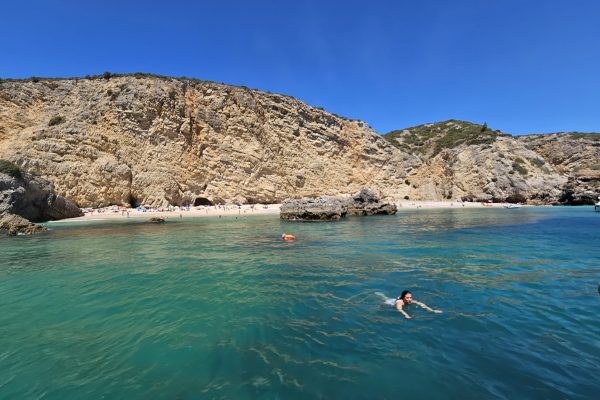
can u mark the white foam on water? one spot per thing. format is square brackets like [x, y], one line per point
[386, 300]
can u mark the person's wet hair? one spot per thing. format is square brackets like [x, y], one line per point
[404, 293]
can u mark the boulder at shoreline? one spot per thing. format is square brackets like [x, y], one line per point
[332, 208]
[366, 202]
[14, 225]
[33, 198]
[25, 199]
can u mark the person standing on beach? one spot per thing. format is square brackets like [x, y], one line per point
[406, 299]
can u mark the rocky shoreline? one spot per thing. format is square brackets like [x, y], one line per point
[25, 199]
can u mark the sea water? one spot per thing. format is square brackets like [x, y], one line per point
[222, 308]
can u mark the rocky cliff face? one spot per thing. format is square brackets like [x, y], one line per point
[576, 156]
[153, 141]
[150, 140]
[459, 159]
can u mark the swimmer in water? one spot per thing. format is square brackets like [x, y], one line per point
[406, 299]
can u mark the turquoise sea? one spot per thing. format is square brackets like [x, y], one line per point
[210, 308]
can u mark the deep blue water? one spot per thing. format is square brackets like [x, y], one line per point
[221, 308]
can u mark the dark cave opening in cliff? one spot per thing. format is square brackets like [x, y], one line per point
[133, 201]
[202, 201]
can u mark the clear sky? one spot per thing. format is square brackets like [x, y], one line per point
[522, 66]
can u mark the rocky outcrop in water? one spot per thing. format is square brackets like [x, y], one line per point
[331, 208]
[366, 202]
[12, 224]
[323, 208]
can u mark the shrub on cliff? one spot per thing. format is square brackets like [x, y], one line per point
[518, 165]
[10, 169]
[442, 135]
[56, 120]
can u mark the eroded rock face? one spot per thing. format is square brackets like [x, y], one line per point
[577, 157]
[34, 199]
[324, 208]
[157, 141]
[143, 140]
[331, 208]
[462, 160]
[13, 224]
[366, 202]
[495, 172]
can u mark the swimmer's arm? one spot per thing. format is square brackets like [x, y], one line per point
[425, 306]
[399, 308]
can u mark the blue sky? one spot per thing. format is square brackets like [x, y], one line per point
[521, 66]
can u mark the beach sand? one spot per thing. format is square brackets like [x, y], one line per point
[115, 212]
[407, 204]
[176, 212]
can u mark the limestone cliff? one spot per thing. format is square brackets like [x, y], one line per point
[140, 139]
[574, 155]
[459, 159]
[156, 140]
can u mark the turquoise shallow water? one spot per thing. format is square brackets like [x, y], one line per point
[221, 308]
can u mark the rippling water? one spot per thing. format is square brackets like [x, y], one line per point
[222, 308]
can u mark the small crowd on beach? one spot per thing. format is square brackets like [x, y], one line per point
[247, 209]
[112, 212]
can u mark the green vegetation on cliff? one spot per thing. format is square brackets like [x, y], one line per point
[9, 168]
[519, 166]
[432, 138]
[56, 120]
[589, 136]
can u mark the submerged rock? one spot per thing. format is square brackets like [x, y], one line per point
[331, 208]
[157, 220]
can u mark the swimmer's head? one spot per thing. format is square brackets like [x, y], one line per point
[406, 297]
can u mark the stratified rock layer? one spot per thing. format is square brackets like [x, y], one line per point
[575, 156]
[462, 160]
[156, 141]
[138, 139]
[323, 208]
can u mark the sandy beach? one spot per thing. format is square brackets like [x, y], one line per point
[408, 204]
[115, 212]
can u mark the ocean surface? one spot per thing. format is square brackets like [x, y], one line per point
[210, 308]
